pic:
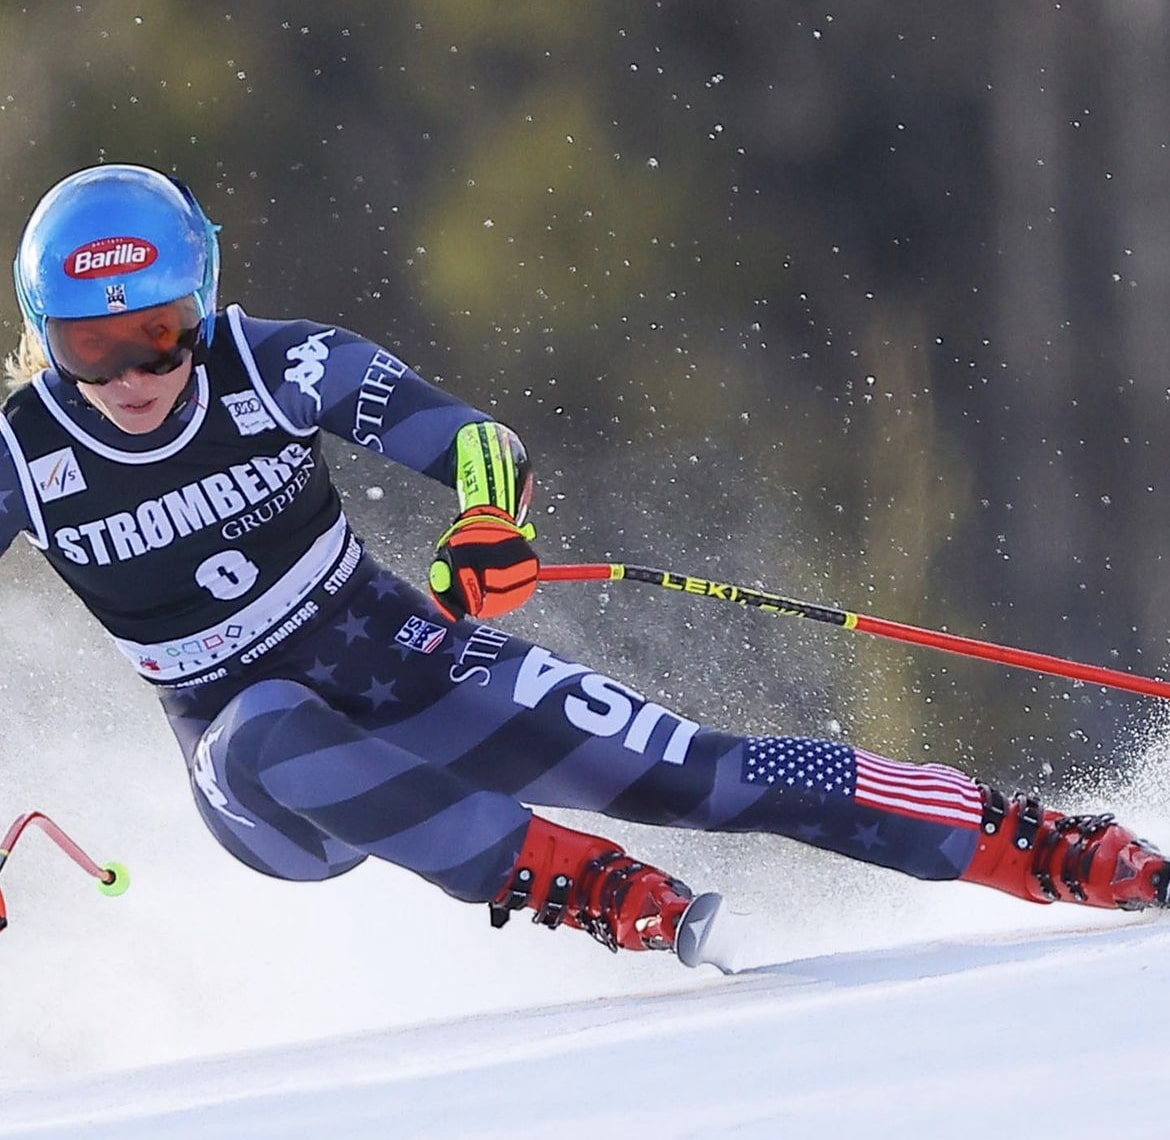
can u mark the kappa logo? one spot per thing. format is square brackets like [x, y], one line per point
[248, 413]
[109, 257]
[57, 475]
[203, 775]
[309, 366]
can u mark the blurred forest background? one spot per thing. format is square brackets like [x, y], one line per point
[868, 303]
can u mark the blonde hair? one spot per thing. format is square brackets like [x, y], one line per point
[26, 361]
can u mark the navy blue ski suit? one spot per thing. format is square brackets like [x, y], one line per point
[326, 709]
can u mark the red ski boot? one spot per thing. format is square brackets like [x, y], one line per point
[1047, 857]
[591, 884]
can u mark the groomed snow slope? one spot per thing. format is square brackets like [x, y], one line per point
[210, 1002]
[950, 1039]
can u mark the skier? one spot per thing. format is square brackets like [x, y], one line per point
[165, 456]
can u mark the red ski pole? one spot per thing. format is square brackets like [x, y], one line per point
[880, 627]
[113, 878]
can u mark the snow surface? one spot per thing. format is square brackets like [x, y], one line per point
[948, 1039]
[211, 1002]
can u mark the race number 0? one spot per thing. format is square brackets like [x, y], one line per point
[227, 575]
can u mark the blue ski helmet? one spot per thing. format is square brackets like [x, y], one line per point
[114, 239]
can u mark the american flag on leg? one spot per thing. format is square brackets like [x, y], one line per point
[930, 792]
[923, 791]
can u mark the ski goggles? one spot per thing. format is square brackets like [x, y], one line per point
[96, 350]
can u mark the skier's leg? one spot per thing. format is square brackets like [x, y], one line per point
[294, 779]
[498, 714]
[295, 789]
[247, 822]
[935, 822]
[550, 731]
[927, 820]
[504, 714]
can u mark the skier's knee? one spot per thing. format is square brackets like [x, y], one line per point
[242, 815]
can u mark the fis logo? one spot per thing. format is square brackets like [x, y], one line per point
[309, 364]
[57, 475]
[247, 413]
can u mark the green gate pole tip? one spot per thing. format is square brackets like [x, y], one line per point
[118, 883]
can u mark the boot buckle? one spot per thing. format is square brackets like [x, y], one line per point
[518, 892]
[1028, 822]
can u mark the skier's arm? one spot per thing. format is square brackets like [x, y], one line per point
[321, 376]
[17, 489]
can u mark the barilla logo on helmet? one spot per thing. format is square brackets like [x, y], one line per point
[108, 256]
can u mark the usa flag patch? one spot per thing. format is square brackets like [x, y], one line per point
[421, 636]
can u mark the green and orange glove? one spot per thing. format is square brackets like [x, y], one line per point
[484, 566]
